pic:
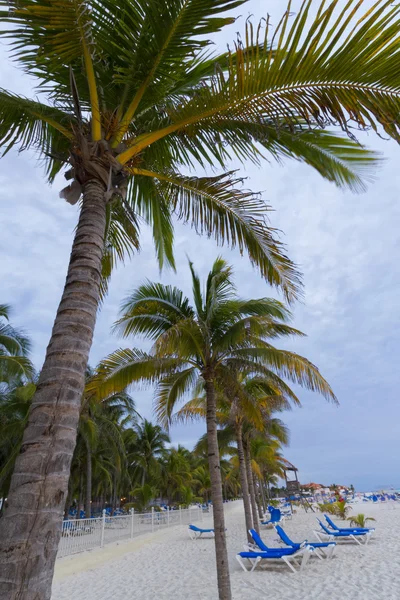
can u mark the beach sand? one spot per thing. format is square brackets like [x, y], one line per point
[167, 565]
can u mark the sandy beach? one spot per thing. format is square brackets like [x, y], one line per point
[167, 565]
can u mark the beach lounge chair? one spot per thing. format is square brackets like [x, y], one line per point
[276, 517]
[333, 535]
[197, 532]
[284, 554]
[336, 528]
[326, 547]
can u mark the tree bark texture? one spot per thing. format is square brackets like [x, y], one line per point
[88, 505]
[243, 481]
[30, 528]
[224, 584]
[251, 489]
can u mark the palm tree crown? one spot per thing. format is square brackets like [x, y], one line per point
[216, 338]
[130, 94]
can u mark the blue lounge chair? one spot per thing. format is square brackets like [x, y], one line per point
[285, 554]
[197, 532]
[326, 547]
[332, 534]
[336, 528]
[276, 517]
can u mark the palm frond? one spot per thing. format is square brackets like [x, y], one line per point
[149, 202]
[14, 366]
[121, 239]
[287, 364]
[170, 390]
[124, 367]
[215, 206]
[5, 310]
[151, 310]
[313, 74]
[172, 31]
[31, 124]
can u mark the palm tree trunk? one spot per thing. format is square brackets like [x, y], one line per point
[80, 498]
[258, 501]
[264, 500]
[224, 584]
[88, 504]
[243, 480]
[251, 489]
[268, 491]
[30, 527]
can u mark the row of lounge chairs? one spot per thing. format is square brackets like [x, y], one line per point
[298, 553]
[257, 551]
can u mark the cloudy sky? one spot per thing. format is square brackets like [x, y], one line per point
[348, 250]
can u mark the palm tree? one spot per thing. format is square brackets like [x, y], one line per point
[100, 419]
[147, 448]
[175, 475]
[202, 345]
[130, 94]
[14, 350]
[15, 401]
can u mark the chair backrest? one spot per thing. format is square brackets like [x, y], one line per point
[323, 526]
[284, 537]
[257, 540]
[194, 528]
[330, 522]
[276, 515]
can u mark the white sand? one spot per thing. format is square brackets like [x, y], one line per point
[167, 565]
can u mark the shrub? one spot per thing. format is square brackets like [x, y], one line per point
[359, 520]
[341, 509]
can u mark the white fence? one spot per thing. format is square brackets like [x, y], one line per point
[85, 534]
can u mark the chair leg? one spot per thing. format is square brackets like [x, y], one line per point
[329, 551]
[287, 561]
[318, 553]
[306, 558]
[241, 563]
[255, 563]
[355, 539]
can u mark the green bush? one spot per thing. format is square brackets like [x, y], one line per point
[359, 520]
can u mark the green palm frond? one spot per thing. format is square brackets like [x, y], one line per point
[341, 160]
[5, 310]
[217, 207]
[171, 32]
[149, 201]
[194, 409]
[31, 124]
[123, 367]
[14, 366]
[314, 74]
[121, 239]
[151, 310]
[270, 382]
[169, 390]
[289, 365]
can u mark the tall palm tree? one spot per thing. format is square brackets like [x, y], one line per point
[129, 94]
[100, 419]
[147, 448]
[175, 474]
[201, 345]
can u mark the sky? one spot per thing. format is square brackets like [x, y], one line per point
[347, 247]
